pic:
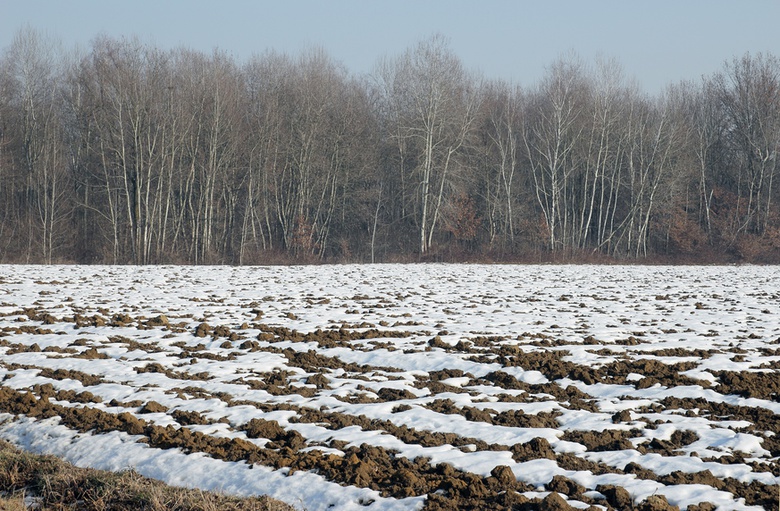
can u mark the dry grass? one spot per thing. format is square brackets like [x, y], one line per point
[57, 485]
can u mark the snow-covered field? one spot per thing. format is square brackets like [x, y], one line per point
[405, 386]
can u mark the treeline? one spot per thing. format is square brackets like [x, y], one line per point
[127, 153]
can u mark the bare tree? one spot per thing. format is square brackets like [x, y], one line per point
[502, 133]
[749, 92]
[552, 129]
[603, 155]
[435, 103]
[214, 92]
[35, 65]
[706, 123]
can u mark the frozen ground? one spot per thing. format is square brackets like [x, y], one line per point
[405, 386]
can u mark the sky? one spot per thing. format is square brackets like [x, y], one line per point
[657, 43]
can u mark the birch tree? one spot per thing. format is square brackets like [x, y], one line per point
[552, 128]
[34, 66]
[602, 155]
[435, 102]
[501, 131]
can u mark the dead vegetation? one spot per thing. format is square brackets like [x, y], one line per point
[46, 483]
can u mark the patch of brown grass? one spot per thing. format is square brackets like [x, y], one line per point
[57, 485]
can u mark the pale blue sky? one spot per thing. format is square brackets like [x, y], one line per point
[658, 42]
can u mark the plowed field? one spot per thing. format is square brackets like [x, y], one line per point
[406, 386]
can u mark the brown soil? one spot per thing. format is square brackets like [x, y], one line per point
[329, 338]
[154, 367]
[67, 374]
[762, 385]
[608, 440]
